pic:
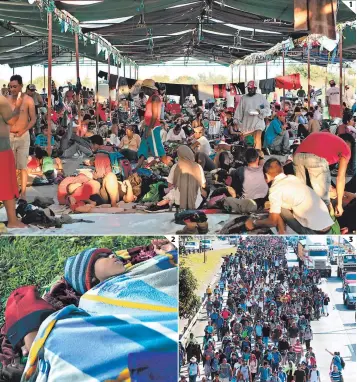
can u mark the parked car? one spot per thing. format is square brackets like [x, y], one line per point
[349, 278]
[349, 296]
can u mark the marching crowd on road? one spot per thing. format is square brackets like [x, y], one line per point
[259, 321]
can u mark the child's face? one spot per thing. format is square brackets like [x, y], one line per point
[106, 267]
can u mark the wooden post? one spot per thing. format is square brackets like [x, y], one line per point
[49, 81]
[77, 75]
[308, 79]
[341, 69]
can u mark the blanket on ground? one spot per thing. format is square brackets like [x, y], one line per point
[122, 326]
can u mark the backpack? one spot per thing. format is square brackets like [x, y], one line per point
[318, 373]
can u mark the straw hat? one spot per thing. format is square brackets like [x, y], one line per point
[148, 83]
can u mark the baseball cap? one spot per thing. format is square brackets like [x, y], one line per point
[31, 87]
[251, 85]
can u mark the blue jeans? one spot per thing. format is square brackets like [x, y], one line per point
[319, 173]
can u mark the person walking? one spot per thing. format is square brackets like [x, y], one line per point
[193, 370]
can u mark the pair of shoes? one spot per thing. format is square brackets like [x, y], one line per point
[156, 208]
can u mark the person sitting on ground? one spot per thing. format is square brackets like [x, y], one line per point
[201, 143]
[348, 125]
[187, 182]
[43, 165]
[315, 154]
[97, 143]
[276, 137]
[249, 184]
[72, 145]
[130, 143]
[42, 139]
[198, 121]
[176, 135]
[292, 203]
[205, 162]
[313, 124]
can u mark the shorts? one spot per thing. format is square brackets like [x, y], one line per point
[9, 189]
[21, 148]
[152, 146]
[334, 111]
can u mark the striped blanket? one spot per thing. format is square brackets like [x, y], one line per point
[125, 329]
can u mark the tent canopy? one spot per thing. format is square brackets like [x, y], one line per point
[155, 31]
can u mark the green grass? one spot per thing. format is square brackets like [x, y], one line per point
[203, 272]
[37, 260]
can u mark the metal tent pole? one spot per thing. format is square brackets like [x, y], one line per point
[284, 82]
[31, 74]
[44, 77]
[109, 99]
[245, 76]
[96, 90]
[308, 78]
[49, 81]
[124, 67]
[254, 71]
[232, 74]
[266, 73]
[239, 72]
[341, 68]
[77, 75]
[130, 70]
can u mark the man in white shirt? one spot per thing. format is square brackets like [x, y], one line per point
[176, 134]
[349, 96]
[333, 100]
[292, 203]
[201, 144]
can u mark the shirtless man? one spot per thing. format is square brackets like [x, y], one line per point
[19, 128]
[9, 189]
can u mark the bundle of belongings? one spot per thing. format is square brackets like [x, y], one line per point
[127, 312]
[39, 214]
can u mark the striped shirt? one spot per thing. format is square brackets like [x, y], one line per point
[298, 348]
[336, 376]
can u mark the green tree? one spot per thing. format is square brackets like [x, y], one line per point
[189, 302]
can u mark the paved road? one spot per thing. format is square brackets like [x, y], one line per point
[217, 245]
[337, 332]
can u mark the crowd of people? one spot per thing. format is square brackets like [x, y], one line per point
[259, 317]
[265, 158]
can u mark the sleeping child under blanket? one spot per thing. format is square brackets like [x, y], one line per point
[125, 325]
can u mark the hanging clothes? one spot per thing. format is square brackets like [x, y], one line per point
[219, 91]
[103, 75]
[113, 79]
[290, 82]
[182, 90]
[241, 87]
[267, 86]
[124, 85]
[308, 16]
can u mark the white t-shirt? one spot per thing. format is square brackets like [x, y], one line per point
[171, 136]
[163, 135]
[313, 376]
[176, 193]
[287, 191]
[333, 95]
[204, 146]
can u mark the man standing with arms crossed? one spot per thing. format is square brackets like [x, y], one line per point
[9, 189]
[19, 128]
[151, 143]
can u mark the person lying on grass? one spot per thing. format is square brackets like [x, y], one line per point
[135, 325]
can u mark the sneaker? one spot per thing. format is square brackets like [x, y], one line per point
[156, 208]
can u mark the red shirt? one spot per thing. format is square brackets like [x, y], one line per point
[325, 145]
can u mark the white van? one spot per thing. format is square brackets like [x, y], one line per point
[192, 246]
[206, 244]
